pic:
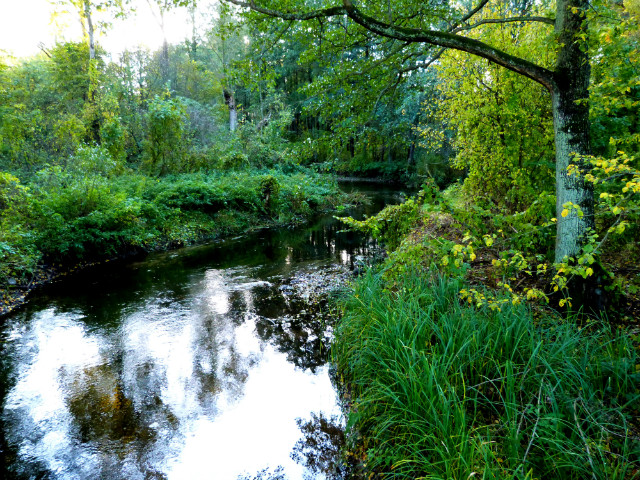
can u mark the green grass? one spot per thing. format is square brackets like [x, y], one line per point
[445, 391]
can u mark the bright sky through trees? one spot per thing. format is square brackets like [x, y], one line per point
[24, 24]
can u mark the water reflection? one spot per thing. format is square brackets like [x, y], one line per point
[321, 447]
[191, 364]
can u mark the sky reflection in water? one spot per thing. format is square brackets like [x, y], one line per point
[199, 374]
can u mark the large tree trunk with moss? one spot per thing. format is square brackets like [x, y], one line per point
[571, 128]
[570, 189]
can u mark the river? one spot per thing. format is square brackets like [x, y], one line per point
[208, 362]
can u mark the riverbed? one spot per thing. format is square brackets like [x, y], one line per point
[209, 362]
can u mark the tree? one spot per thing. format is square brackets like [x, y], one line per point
[158, 9]
[414, 26]
[501, 122]
[86, 10]
[227, 45]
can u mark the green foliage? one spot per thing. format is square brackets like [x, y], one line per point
[270, 194]
[394, 222]
[70, 69]
[12, 194]
[94, 208]
[502, 123]
[165, 147]
[18, 255]
[442, 390]
[113, 136]
[615, 90]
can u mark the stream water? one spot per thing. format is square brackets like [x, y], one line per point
[205, 363]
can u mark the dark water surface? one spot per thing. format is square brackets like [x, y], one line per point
[203, 363]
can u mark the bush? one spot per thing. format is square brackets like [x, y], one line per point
[166, 145]
[95, 209]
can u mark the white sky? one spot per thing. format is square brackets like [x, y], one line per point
[24, 24]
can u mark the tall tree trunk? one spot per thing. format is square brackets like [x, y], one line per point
[230, 100]
[90, 30]
[571, 127]
[164, 61]
[194, 41]
[92, 70]
[411, 153]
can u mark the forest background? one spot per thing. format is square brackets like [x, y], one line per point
[247, 122]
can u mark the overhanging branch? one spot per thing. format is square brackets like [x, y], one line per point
[451, 40]
[412, 35]
[548, 21]
[321, 13]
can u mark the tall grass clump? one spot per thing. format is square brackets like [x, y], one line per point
[443, 390]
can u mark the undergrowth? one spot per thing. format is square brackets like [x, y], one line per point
[445, 390]
[65, 216]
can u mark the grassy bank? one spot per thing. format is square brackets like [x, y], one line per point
[64, 218]
[443, 390]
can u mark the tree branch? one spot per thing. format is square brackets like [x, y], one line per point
[423, 65]
[412, 35]
[548, 21]
[321, 13]
[451, 40]
[471, 13]
[277, 39]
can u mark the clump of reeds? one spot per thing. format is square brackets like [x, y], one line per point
[443, 390]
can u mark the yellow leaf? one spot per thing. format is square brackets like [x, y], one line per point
[589, 272]
[565, 212]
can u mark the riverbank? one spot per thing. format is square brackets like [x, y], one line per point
[232, 334]
[442, 384]
[441, 389]
[54, 230]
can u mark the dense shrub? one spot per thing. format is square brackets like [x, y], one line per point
[94, 209]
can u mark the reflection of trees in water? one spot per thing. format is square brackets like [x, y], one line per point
[105, 417]
[298, 326]
[101, 410]
[321, 450]
[218, 366]
[205, 361]
[266, 474]
[321, 447]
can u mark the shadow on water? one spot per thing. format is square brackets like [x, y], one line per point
[208, 362]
